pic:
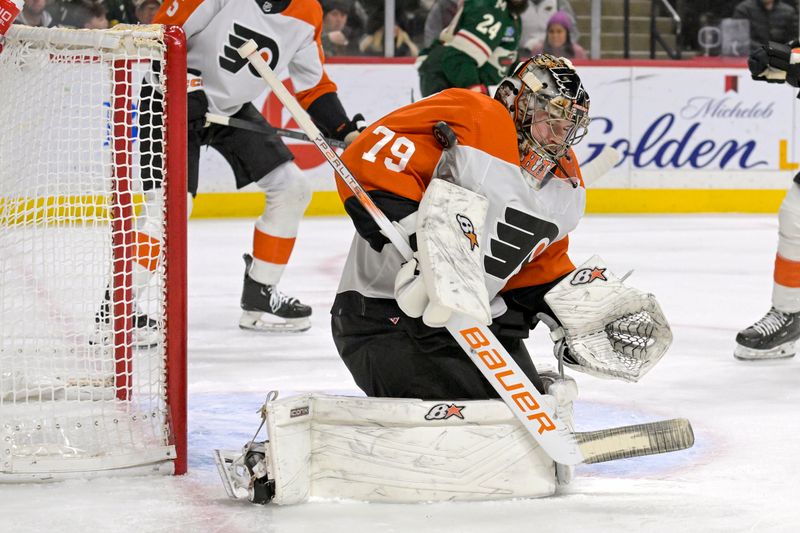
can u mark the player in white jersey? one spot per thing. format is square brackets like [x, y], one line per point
[775, 334]
[221, 82]
[537, 114]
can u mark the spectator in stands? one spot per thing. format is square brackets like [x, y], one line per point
[146, 10]
[120, 11]
[335, 41]
[439, 17]
[405, 15]
[356, 24]
[770, 20]
[33, 14]
[697, 14]
[372, 43]
[535, 18]
[83, 14]
[558, 41]
[95, 16]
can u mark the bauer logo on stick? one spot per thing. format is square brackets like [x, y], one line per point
[588, 275]
[469, 230]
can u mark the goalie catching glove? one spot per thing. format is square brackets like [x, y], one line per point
[445, 275]
[776, 63]
[611, 330]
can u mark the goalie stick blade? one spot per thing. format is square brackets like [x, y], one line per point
[635, 441]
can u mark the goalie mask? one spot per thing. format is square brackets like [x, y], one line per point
[550, 109]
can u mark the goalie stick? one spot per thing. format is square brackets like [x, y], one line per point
[600, 165]
[242, 124]
[483, 348]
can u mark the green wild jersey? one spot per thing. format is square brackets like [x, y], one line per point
[485, 37]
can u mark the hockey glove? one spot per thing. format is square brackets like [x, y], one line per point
[776, 63]
[196, 109]
[612, 330]
[328, 114]
[349, 130]
[412, 296]
[196, 102]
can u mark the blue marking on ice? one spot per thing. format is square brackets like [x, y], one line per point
[221, 420]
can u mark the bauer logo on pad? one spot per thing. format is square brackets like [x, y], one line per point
[588, 275]
[443, 411]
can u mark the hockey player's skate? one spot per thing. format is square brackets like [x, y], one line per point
[772, 337]
[265, 308]
[146, 333]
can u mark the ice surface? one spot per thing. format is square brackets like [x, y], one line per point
[712, 275]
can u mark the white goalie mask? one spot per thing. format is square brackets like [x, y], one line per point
[550, 108]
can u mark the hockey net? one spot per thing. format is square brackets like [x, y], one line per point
[92, 360]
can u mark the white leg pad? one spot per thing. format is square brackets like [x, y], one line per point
[402, 450]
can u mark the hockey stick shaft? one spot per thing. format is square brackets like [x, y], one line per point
[477, 341]
[600, 165]
[267, 130]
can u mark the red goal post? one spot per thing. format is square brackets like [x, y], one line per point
[92, 353]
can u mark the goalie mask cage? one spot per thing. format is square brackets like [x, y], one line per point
[80, 392]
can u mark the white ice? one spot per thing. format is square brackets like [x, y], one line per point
[712, 275]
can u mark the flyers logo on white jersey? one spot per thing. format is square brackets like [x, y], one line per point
[230, 59]
[518, 235]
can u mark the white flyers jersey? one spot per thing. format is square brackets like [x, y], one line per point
[287, 33]
[521, 221]
[525, 234]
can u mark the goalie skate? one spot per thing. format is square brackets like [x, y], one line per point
[244, 474]
[265, 308]
[772, 337]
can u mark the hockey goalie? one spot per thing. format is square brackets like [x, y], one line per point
[486, 191]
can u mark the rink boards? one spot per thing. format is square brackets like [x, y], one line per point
[696, 136]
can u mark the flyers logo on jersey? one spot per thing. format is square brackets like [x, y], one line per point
[230, 59]
[516, 238]
[469, 230]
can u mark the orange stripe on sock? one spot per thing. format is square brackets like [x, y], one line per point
[272, 249]
[787, 272]
[147, 251]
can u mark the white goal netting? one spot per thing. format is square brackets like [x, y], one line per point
[84, 291]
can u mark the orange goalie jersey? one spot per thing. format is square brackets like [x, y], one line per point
[287, 34]
[525, 238]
